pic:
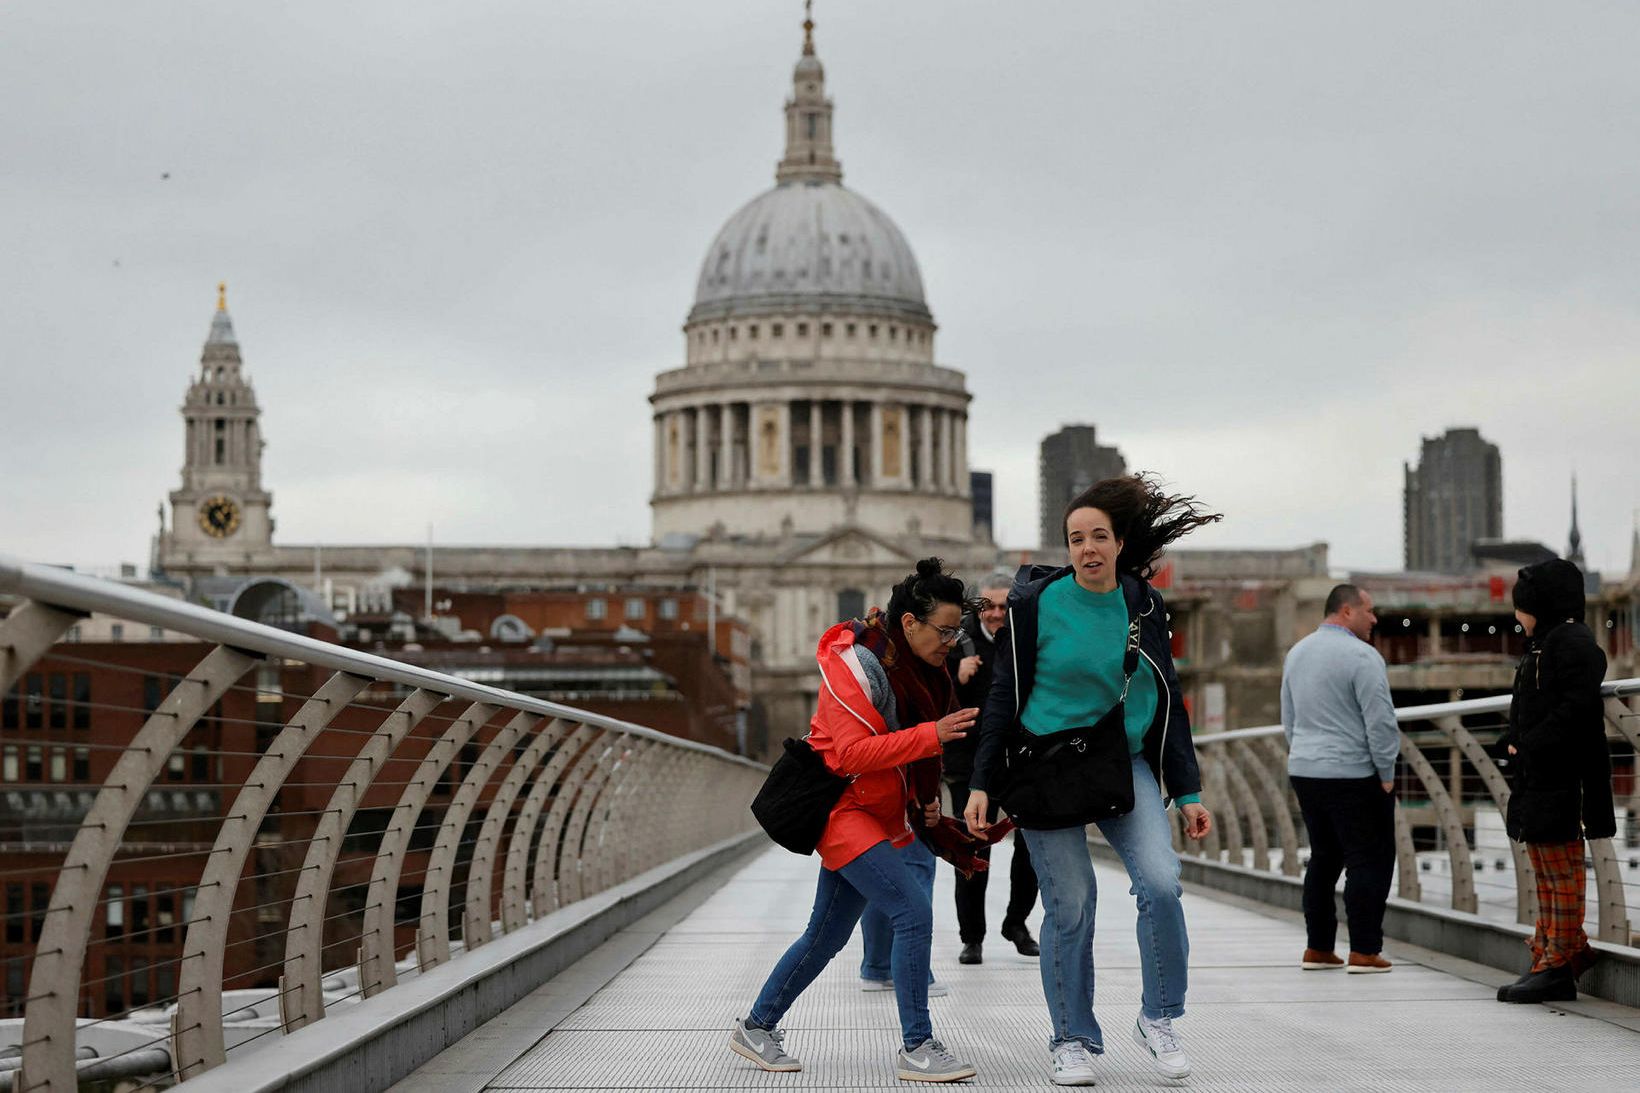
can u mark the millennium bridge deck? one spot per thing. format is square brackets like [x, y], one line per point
[651, 1009]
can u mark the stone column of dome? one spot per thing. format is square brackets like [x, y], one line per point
[703, 451]
[815, 478]
[845, 462]
[660, 453]
[949, 452]
[726, 446]
[963, 486]
[926, 477]
[876, 413]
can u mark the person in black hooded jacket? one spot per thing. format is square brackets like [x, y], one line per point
[1560, 771]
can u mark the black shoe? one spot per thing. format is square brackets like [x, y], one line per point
[1548, 985]
[1023, 941]
[970, 954]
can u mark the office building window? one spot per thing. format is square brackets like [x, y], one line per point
[635, 607]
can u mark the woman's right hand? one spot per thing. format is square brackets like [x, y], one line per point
[955, 726]
[977, 809]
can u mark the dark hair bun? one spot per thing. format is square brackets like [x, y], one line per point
[930, 567]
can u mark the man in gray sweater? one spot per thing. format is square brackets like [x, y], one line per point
[1342, 740]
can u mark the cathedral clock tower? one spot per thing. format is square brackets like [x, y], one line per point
[220, 516]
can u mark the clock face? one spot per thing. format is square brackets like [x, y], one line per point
[219, 516]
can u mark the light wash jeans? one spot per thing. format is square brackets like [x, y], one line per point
[877, 932]
[1064, 868]
[882, 877]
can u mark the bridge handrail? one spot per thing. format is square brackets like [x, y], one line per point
[565, 803]
[1245, 781]
[64, 588]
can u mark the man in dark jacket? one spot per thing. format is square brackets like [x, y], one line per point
[971, 664]
[1560, 771]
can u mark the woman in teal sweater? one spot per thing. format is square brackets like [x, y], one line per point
[1059, 665]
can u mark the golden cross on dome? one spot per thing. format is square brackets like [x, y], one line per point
[222, 295]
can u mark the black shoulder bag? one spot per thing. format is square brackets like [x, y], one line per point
[1075, 776]
[797, 797]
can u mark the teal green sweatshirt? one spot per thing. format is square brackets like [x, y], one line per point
[1081, 638]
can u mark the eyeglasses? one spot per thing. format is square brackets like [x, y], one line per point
[948, 634]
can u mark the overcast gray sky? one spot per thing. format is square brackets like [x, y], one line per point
[1263, 246]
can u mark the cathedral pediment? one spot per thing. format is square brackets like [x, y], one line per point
[849, 546]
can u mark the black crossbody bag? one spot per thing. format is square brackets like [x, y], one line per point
[1075, 776]
[797, 797]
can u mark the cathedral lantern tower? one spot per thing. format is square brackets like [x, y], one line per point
[809, 398]
[220, 514]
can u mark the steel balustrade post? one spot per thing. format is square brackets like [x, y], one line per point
[433, 925]
[376, 944]
[1256, 829]
[1613, 911]
[59, 956]
[1624, 720]
[544, 886]
[633, 822]
[26, 634]
[302, 993]
[604, 831]
[198, 1042]
[1406, 859]
[1286, 830]
[1498, 787]
[476, 929]
[1446, 813]
[515, 879]
[650, 832]
[572, 866]
[1229, 829]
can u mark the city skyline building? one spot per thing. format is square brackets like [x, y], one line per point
[1451, 500]
[1068, 462]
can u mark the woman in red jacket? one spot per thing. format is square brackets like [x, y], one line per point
[856, 730]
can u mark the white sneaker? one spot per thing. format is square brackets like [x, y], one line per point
[1158, 1038]
[936, 989]
[1072, 1064]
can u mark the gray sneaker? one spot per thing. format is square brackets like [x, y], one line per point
[765, 1047]
[930, 1061]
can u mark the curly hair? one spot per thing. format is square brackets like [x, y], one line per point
[1143, 516]
[921, 592]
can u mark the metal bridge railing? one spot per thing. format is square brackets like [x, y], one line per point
[206, 845]
[1452, 797]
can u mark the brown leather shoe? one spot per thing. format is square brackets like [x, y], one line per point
[1319, 960]
[1362, 963]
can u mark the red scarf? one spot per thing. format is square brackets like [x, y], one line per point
[924, 692]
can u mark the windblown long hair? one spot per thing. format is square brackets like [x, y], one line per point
[1143, 516]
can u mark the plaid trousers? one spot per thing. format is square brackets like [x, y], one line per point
[1559, 938]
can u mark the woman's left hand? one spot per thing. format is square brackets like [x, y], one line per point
[931, 814]
[1197, 820]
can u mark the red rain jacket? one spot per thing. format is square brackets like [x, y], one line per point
[851, 736]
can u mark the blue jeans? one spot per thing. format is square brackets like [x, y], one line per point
[882, 877]
[877, 932]
[1064, 868]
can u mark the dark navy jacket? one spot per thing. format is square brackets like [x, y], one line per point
[1167, 744]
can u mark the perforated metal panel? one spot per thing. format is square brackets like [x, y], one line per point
[1256, 1022]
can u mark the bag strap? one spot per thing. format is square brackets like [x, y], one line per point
[1130, 658]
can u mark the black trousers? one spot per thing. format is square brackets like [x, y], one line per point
[1352, 832]
[971, 890]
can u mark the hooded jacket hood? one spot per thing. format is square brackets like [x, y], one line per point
[1551, 591]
